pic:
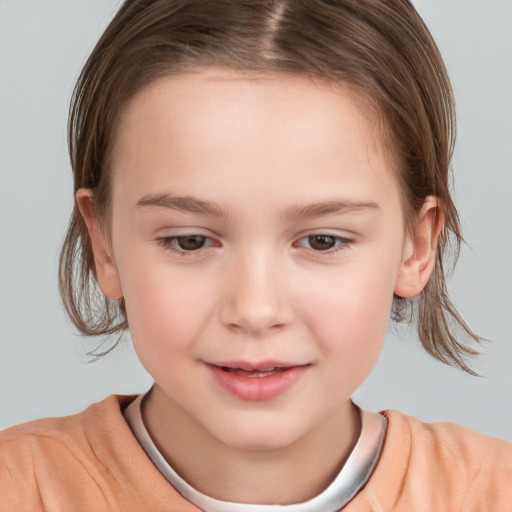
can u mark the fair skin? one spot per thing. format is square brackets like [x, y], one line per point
[255, 224]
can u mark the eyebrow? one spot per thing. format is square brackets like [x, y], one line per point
[329, 207]
[184, 203]
[195, 205]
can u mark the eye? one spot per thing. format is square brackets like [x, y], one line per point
[190, 242]
[323, 242]
[185, 243]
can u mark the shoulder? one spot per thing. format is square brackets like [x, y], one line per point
[441, 466]
[86, 462]
[455, 462]
[64, 431]
[42, 458]
[450, 440]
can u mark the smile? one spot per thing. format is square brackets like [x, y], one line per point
[257, 372]
[256, 382]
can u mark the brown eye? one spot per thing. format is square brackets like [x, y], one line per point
[322, 242]
[190, 242]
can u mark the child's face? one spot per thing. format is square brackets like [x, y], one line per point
[256, 223]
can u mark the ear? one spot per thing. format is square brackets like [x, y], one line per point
[106, 270]
[420, 250]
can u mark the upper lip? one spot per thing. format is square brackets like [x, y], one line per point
[258, 365]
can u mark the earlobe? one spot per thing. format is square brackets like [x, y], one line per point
[420, 250]
[106, 270]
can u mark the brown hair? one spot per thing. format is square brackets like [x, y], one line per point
[381, 48]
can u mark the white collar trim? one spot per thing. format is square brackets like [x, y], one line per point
[352, 477]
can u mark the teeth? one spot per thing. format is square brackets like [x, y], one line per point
[256, 372]
[270, 369]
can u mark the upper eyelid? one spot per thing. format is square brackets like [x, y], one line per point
[327, 232]
[170, 233]
[337, 232]
[315, 232]
[344, 240]
[174, 237]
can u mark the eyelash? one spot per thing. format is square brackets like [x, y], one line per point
[170, 244]
[341, 243]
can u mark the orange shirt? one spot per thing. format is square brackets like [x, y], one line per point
[92, 462]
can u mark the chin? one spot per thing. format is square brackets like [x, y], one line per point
[258, 443]
[259, 434]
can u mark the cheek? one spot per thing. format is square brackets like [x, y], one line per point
[358, 296]
[349, 316]
[165, 309]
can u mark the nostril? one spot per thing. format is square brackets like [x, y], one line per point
[236, 327]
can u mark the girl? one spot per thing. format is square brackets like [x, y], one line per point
[258, 185]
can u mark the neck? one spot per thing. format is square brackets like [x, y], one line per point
[284, 475]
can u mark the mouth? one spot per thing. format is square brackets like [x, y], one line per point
[256, 382]
[255, 372]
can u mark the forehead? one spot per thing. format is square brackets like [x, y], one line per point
[199, 127]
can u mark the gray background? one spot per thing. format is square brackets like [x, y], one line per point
[43, 366]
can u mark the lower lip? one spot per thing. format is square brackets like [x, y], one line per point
[257, 389]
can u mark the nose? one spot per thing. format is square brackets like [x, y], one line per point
[256, 298]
